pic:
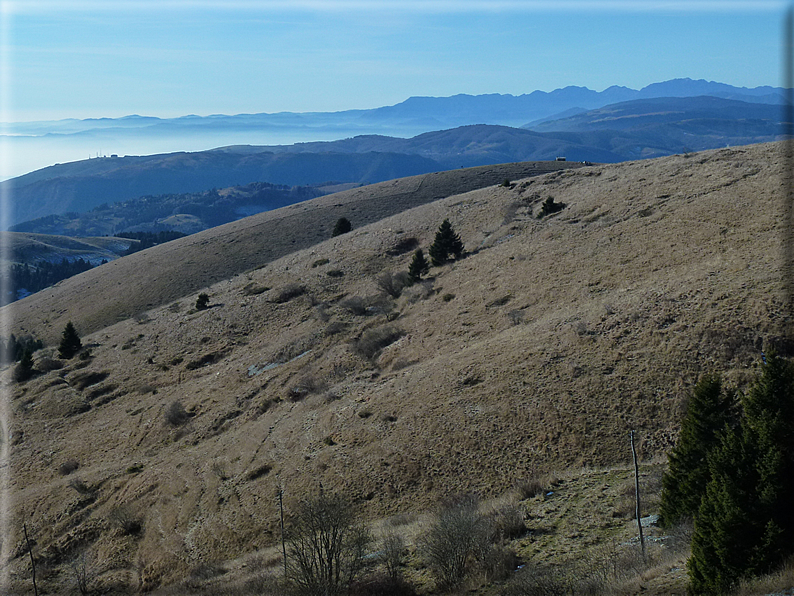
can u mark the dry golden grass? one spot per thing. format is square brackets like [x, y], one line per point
[561, 335]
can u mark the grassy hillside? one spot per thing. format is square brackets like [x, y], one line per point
[539, 351]
[178, 268]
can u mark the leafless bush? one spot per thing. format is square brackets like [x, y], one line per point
[372, 341]
[516, 316]
[417, 292]
[322, 313]
[175, 414]
[83, 570]
[80, 486]
[529, 487]
[355, 305]
[48, 364]
[126, 520]
[327, 546]
[335, 327]
[392, 547]
[507, 521]
[254, 289]
[497, 562]
[457, 534]
[68, 467]
[307, 385]
[393, 283]
[380, 585]
[402, 246]
[287, 293]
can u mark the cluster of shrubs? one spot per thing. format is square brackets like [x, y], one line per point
[328, 547]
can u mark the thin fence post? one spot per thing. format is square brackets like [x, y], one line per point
[32, 562]
[283, 544]
[637, 493]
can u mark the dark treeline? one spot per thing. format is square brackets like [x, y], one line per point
[13, 348]
[148, 239]
[41, 275]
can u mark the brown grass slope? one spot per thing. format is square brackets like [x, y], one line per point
[174, 270]
[540, 350]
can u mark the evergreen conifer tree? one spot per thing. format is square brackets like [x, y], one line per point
[710, 408]
[419, 265]
[342, 226]
[70, 342]
[446, 243]
[744, 524]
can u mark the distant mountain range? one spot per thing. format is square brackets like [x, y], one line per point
[614, 125]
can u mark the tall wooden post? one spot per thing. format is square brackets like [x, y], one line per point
[283, 544]
[637, 493]
[32, 562]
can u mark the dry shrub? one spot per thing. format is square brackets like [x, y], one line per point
[335, 327]
[307, 385]
[84, 379]
[254, 289]
[380, 585]
[175, 414]
[507, 520]
[372, 341]
[68, 467]
[778, 581]
[287, 293]
[129, 522]
[529, 487]
[48, 364]
[417, 292]
[80, 486]
[355, 305]
[393, 284]
[457, 534]
[402, 246]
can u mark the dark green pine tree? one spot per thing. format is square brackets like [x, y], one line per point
[342, 226]
[446, 243]
[710, 408]
[744, 524]
[419, 266]
[769, 418]
[726, 529]
[70, 342]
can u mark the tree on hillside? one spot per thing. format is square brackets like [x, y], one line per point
[24, 369]
[203, 301]
[745, 521]
[326, 547]
[446, 243]
[342, 226]
[70, 342]
[419, 265]
[710, 408]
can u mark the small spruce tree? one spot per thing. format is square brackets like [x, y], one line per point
[70, 342]
[202, 302]
[710, 408]
[342, 226]
[446, 243]
[419, 265]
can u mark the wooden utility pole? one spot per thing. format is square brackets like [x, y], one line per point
[283, 544]
[637, 493]
[32, 562]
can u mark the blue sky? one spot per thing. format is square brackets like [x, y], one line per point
[80, 59]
